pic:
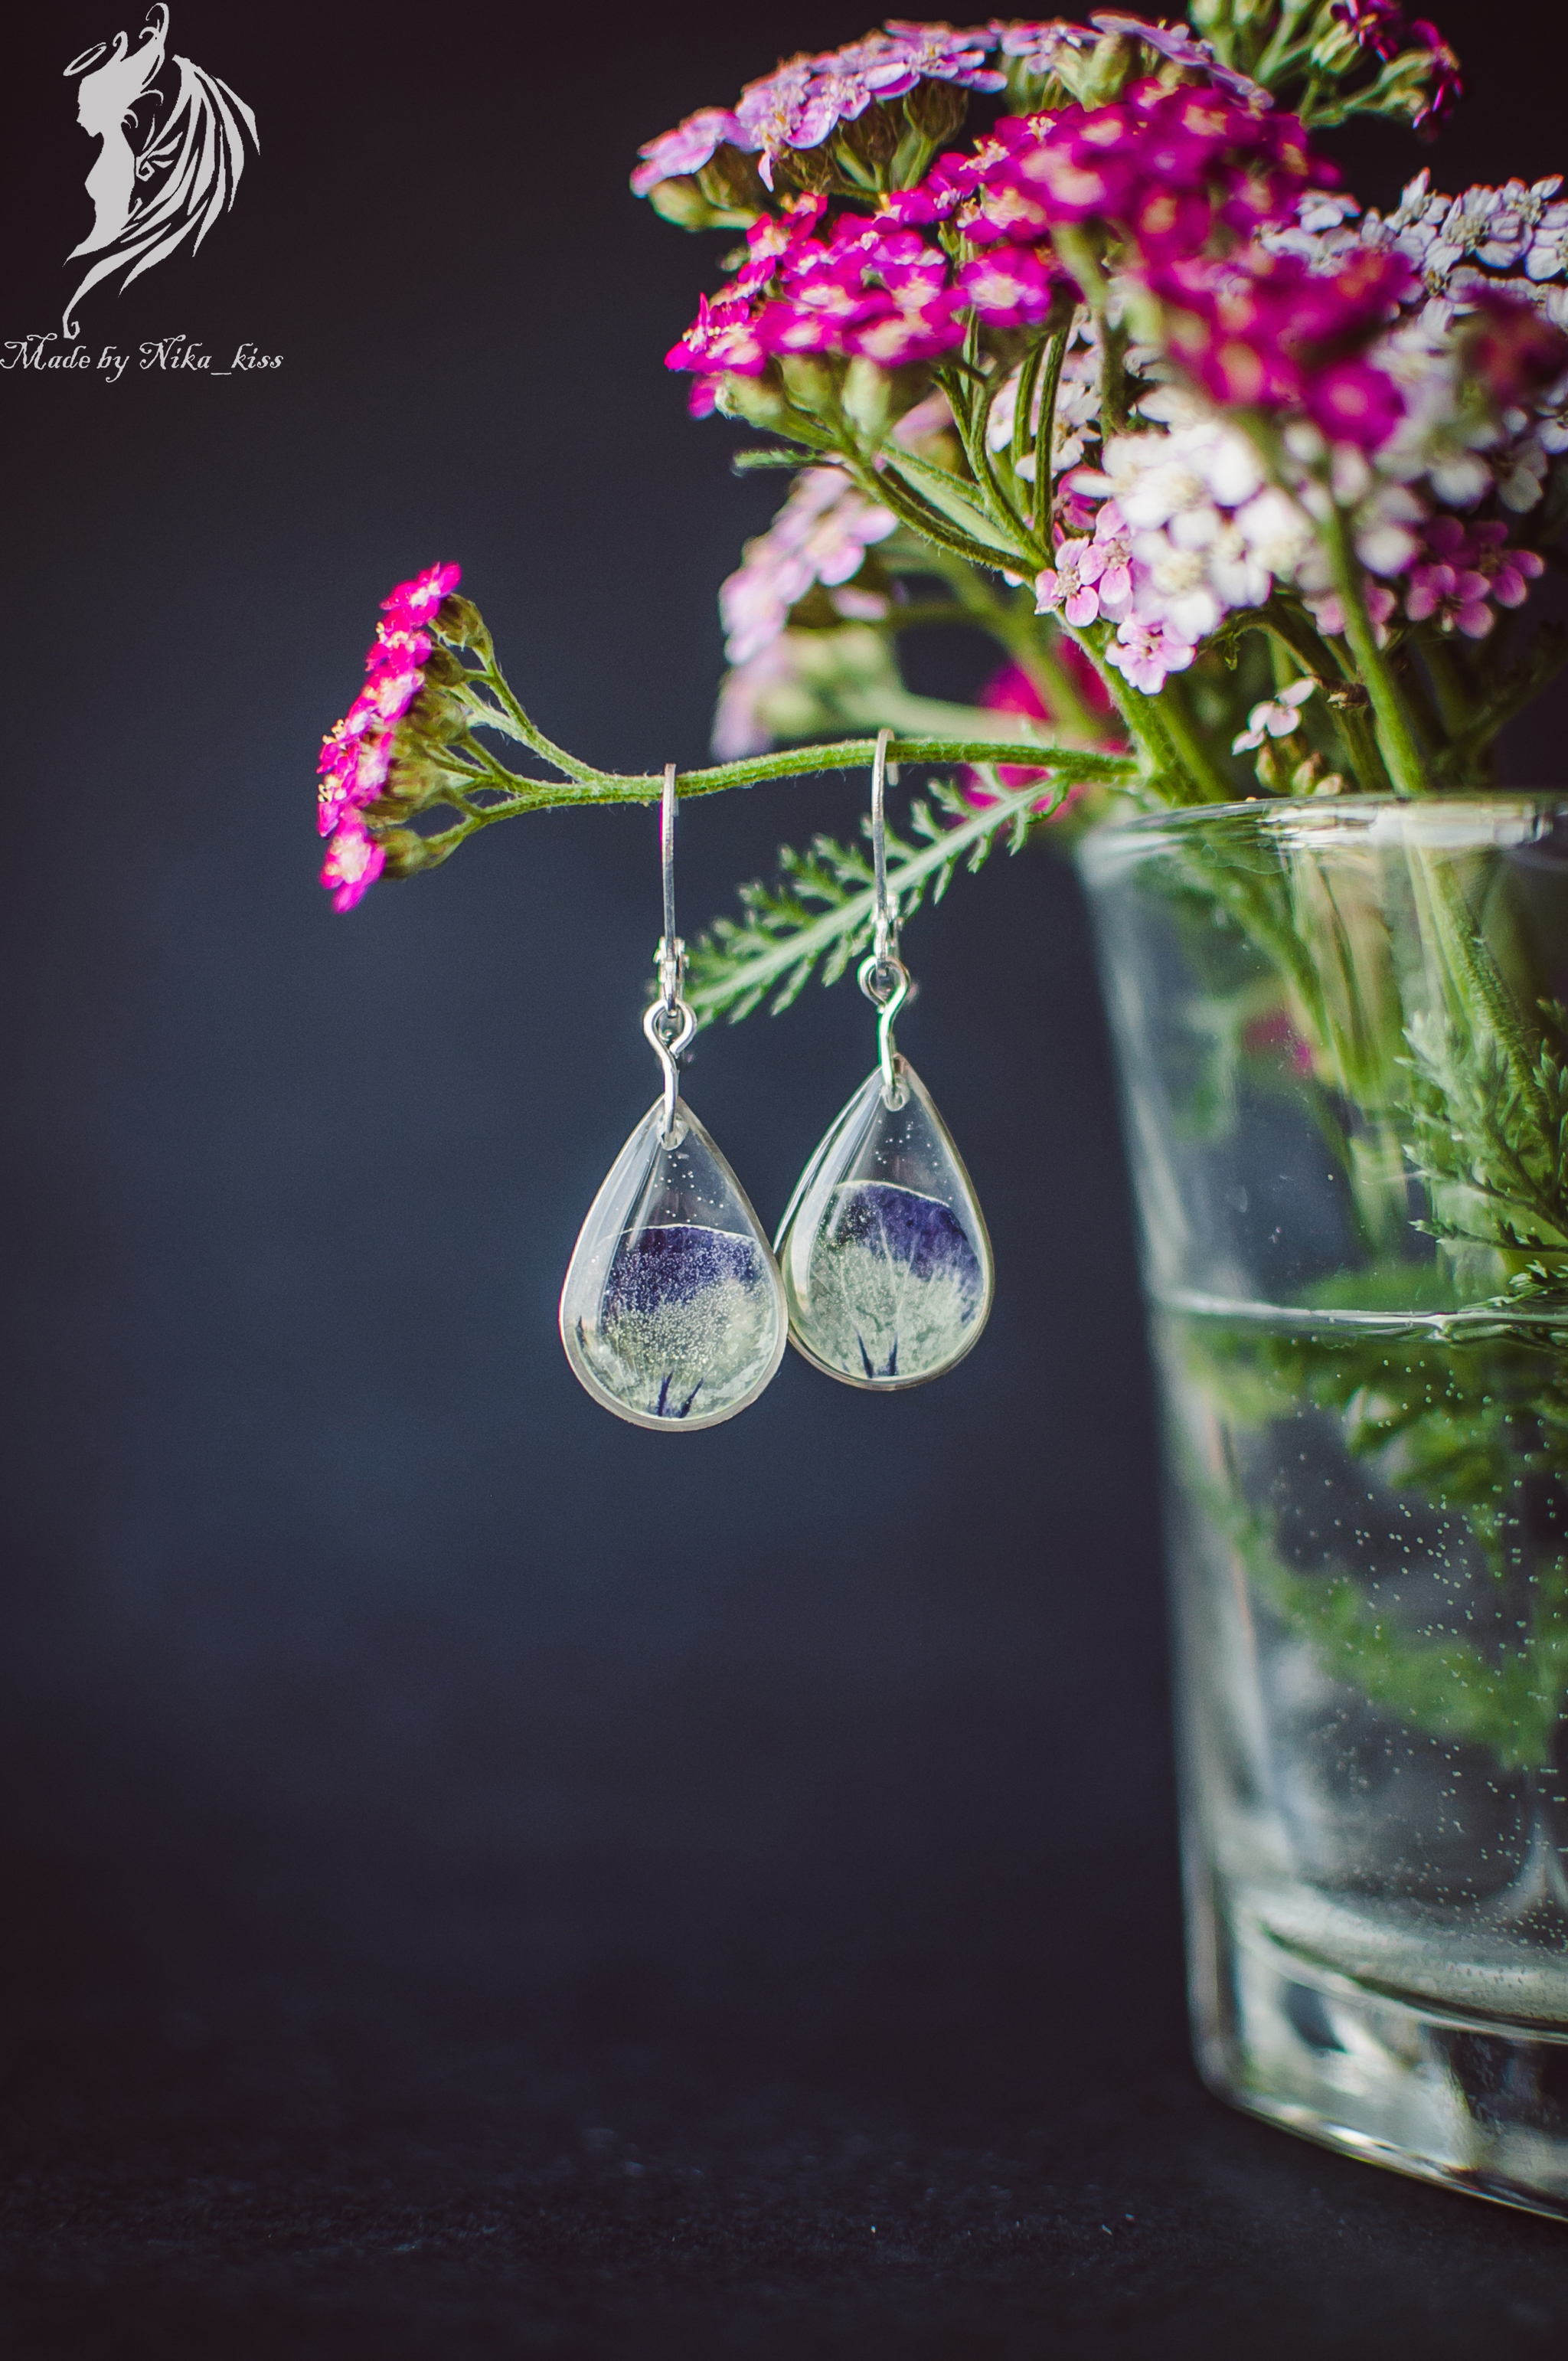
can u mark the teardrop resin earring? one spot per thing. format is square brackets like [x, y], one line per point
[673, 1315]
[886, 1264]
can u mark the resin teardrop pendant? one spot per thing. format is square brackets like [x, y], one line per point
[884, 1251]
[673, 1315]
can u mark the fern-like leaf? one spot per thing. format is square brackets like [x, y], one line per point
[820, 913]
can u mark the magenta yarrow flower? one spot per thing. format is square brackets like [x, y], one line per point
[1012, 286]
[1451, 593]
[1163, 167]
[1376, 25]
[1446, 87]
[1508, 572]
[1511, 348]
[415, 602]
[356, 752]
[1263, 329]
[354, 862]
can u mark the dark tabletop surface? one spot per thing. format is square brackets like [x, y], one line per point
[479, 1879]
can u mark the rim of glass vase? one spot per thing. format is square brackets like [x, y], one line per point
[1463, 819]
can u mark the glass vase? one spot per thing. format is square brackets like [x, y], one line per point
[1341, 1048]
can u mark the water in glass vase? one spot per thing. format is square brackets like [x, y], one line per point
[1370, 1553]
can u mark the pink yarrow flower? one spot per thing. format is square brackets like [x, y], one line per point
[1377, 597]
[1090, 578]
[415, 602]
[356, 752]
[1063, 585]
[354, 862]
[1145, 654]
[1508, 572]
[1453, 594]
[1276, 717]
[685, 150]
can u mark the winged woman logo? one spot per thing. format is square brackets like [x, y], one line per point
[152, 189]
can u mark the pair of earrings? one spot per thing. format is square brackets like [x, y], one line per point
[674, 1313]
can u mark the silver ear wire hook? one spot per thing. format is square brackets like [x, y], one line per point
[884, 978]
[669, 1023]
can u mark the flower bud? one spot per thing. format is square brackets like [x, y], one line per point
[444, 669]
[413, 777]
[936, 109]
[1098, 78]
[758, 400]
[436, 717]
[812, 379]
[681, 200]
[868, 398]
[734, 187]
[1336, 50]
[459, 621]
[872, 138]
[405, 852]
[1510, 348]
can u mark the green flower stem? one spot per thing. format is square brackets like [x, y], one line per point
[1360, 742]
[1024, 399]
[1396, 737]
[1287, 48]
[891, 490]
[1213, 787]
[583, 785]
[972, 416]
[1454, 702]
[1046, 443]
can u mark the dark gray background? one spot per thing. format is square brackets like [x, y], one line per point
[481, 1878]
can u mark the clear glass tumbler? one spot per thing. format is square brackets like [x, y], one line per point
[1344, 1066]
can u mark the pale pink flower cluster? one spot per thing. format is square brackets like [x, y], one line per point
[1090, 578]
[1187, 530]
[1276, 717]
[820, 535]
[805, 99]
